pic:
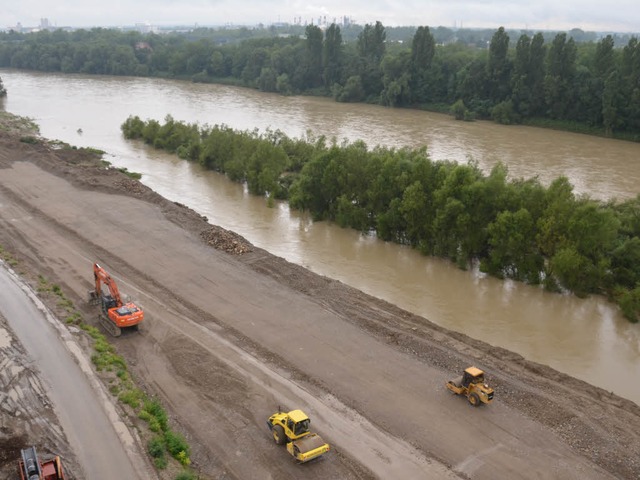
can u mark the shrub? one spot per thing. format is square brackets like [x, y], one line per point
[156, 447]
[131, 397]
[154, 408]
[176, 443]
[161, 462]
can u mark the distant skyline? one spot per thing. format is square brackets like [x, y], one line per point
[588, 15]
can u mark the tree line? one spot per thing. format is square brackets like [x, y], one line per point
[511, 228]
[591, 86]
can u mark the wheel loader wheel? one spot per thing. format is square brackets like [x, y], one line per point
[278, 435]
[474, 399]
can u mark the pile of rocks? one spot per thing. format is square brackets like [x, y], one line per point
[225, 240]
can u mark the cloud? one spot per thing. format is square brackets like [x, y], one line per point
[620, 15]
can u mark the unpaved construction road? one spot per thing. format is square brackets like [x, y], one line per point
[232, 332]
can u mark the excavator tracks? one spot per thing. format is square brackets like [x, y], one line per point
[109, 326]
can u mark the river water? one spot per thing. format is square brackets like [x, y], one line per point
[586, 338]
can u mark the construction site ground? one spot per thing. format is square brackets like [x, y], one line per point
[232, 333]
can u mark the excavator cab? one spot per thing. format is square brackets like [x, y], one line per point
[108, 302]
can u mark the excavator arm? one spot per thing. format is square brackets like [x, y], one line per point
[102, 277]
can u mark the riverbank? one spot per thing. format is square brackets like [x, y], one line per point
[242, 298]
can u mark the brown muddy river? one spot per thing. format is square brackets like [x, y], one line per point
[588, 339]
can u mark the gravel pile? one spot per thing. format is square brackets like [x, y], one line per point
[225, 240]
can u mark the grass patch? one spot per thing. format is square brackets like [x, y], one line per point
[75, 318]
[8, 258]
[132, 397]
[134, 175]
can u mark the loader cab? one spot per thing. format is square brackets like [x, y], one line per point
[472, 375]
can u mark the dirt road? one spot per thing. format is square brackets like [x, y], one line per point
[233, 332]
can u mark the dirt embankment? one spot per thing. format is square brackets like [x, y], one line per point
[595, 425]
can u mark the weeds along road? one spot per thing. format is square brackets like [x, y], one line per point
[100, 441]
[229, 338]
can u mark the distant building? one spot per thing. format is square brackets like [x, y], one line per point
[146, 28]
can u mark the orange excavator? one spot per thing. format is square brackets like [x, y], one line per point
[115, 314]
[31, 468]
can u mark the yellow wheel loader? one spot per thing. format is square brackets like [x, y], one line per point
[292, 429]
[473, 386]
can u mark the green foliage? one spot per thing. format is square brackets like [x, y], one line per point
[161, 462]
[629, 302]
[156, 447]
[504, 113]
[353, 91]
[156, 412]
[131, 397]
[568, 80]
[514, 228]
[134, 175]
[177, 446]
[458, 110]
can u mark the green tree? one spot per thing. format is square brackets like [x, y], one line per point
[513, 251]
[314, 53]
[371, 42]
[553, 223]
[332, 54]
[395, 80]
[423, 48]
[536, 74]
[630, 73]
[520, 80]
[371, 49]
[216, 65]
[498, 67]
[559, 79]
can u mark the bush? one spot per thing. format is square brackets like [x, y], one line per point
[176, 443]
[504, 113]
[458, 110]
[629, 303]
[161, 462]
[353, 91]
[131, 397]
[155, 410]
[156, 447]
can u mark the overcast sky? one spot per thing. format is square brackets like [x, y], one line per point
[590, 15]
